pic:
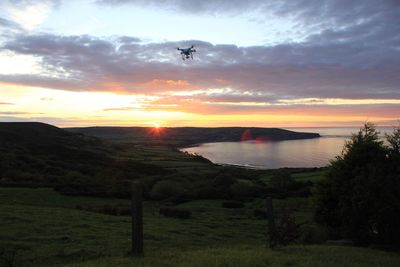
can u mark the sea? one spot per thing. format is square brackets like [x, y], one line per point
[306, 153]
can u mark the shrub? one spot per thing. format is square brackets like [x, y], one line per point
[360, 197]
[310, 234]
[204, 190]
[301, 192]
[286, 230]
[281, 180]
[283, 185]
[166, 189]
[243, 189]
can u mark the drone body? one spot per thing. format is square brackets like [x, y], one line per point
[187, 53]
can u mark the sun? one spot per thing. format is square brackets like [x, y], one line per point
[156, 130]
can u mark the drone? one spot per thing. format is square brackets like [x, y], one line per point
[186, 53]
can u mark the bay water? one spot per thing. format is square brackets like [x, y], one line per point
[316, 152]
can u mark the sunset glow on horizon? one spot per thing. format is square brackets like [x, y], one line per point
[292, 64]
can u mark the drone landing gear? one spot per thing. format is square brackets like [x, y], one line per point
[186, 56]
[186, 53]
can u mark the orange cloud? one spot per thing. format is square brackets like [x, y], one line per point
[168, 84]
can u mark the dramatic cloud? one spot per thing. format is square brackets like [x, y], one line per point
[265, 73]
[315, 15]
[345, 59]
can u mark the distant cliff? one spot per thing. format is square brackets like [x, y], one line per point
[187, 136]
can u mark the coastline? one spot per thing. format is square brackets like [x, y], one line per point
[305, 153]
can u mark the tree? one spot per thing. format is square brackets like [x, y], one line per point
[281, 180]
[360, 198]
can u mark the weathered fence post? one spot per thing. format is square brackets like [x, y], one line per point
[137, 218]
[271, 223]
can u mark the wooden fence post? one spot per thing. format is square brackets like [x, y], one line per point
[137, 218]
[271, 223]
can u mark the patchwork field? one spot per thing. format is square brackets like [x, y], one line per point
[41, 227]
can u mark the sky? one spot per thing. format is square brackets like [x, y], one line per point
[297, 63]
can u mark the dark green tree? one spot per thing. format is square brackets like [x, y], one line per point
[281, 180]
[360, 198]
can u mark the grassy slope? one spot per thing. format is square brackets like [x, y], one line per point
[35, 154]
[247, 255]
[44, 229]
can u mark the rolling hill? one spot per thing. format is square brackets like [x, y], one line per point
[187, 136]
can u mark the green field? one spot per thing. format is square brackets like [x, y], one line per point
[64, 201]
[40, 227]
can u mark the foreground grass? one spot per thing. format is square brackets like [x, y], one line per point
[295, 256]
[40, 227]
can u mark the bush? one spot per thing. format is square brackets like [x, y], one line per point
[166, 189]
[310, 234]
[360, 198]
[204, 190]
[283, 185]
[281, 180]
[301, 192]
[286, 230]
[241, 190]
